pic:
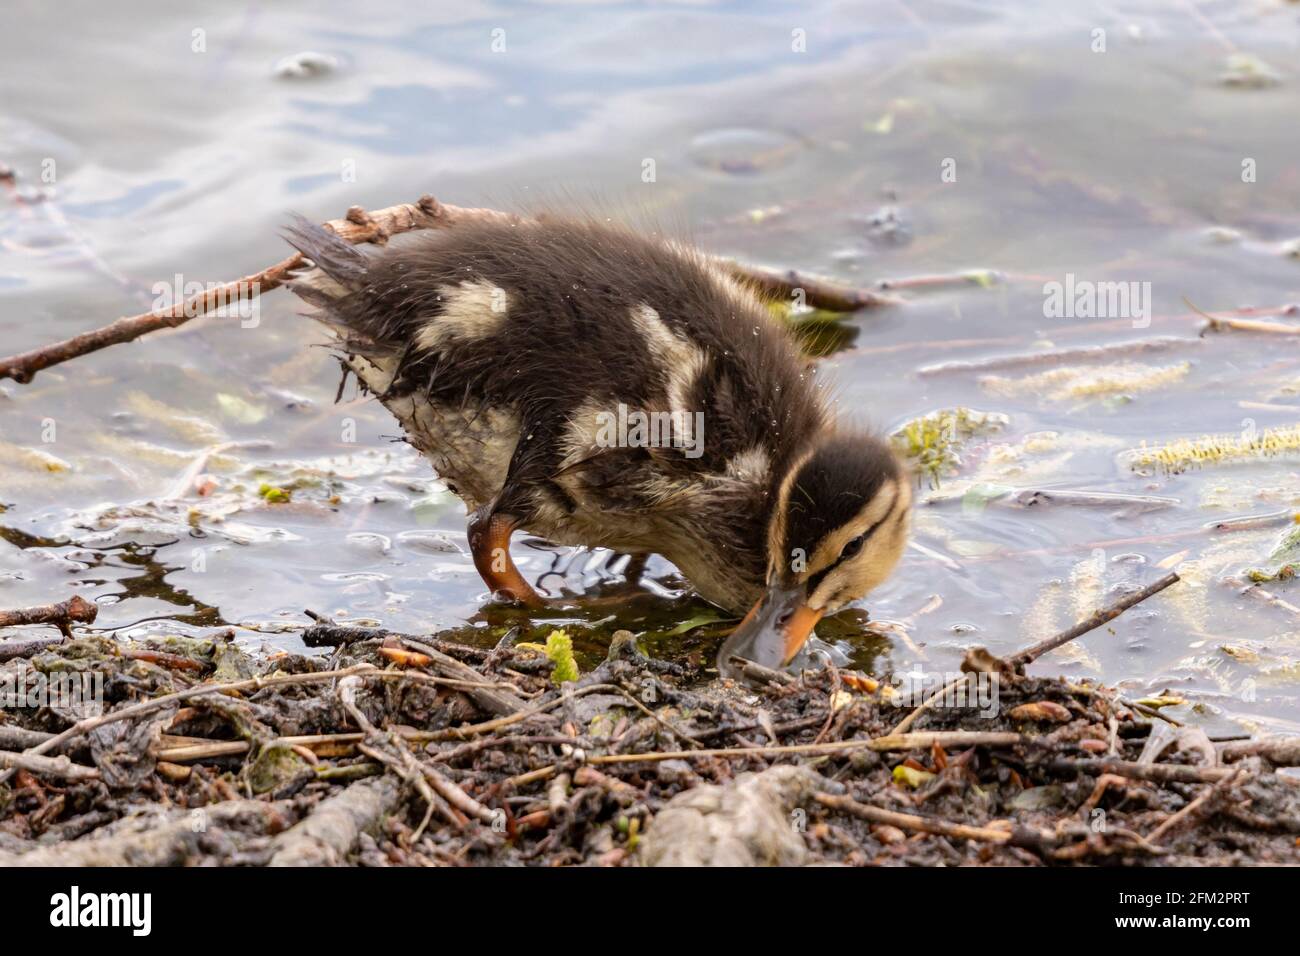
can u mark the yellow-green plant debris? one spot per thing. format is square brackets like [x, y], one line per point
[1284, 562]
[273, 495]
[1078, 382]
[933, 441]
[1178, 456]
[559, 648]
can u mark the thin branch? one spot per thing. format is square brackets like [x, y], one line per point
[60, 768]
[1019, 836]
[362, 226]
[1033, 652]
[1094, 621]
[817, 293]
[63, 615]
[85, 726]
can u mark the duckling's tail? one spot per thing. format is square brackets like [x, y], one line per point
[336, 287]
[340, 266]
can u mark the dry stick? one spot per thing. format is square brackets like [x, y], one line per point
[222, 748]
[1033, 652]
[817, 293]
[487, 696]
[1152, 772]
[10, 650]
[1195, 807]
[1020, 836]
[358, 226]
[18, 738]
[490, 743]
[450, 791]
[60, 768]
[944, 738]
[327, 835]
[1051, 356]
[401, 762]
[361, 226]
[156, 703]
[1034, 497]
[1244, 325]
[1283, 751]
[424, 778]
[62, 615]
[1095, 620]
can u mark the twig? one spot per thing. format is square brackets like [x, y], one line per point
[450, 791]
[1033, 497]
[12, 737]
[1053, 356]
[1094, 621]
[156, 703]
[1196, 807]
[61, 768]
[11, 650]
[487, 694]
[905, 724]
[1283, 751]
[63, 615]
[1033, 652]
[331, 831]
[357, 227]
[401, 762]
[1274, 519]
[980, 277]
[945, 738]
[1017, 836]
[817, 293]
[1152, 772]
[224, 748]
[1244, 325]
[890, 742]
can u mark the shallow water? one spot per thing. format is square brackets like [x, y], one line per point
[1124, 165]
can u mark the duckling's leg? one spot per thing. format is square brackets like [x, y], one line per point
[489, 543]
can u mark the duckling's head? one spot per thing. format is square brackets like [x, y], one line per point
[837, 530]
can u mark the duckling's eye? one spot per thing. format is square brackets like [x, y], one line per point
[853, 547]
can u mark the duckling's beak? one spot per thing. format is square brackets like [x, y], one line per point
[772, 632]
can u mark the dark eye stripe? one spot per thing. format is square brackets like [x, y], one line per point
[893, 513]
[866, 535]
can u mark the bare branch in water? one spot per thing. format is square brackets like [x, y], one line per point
[63, 615]
[362, 226]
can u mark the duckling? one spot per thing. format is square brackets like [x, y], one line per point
[600, 388]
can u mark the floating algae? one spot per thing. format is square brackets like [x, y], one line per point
[1079, 382]
[1284, 561]
[933, 441]
[1177, 456]
[1038, 458]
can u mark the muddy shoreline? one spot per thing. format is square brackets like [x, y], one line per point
[389, 750]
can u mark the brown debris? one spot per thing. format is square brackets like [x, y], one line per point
[362, 759]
